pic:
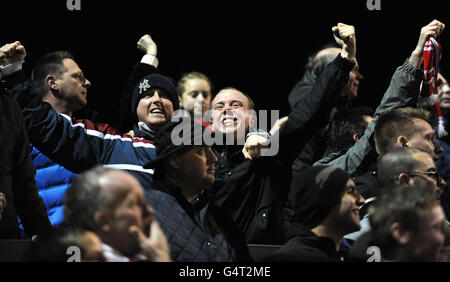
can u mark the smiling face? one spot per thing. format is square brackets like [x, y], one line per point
[230, 112]
[73, 86]
[345, 216]
[155, 108]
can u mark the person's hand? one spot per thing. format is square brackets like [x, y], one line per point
[131, 133]
[253, 145]
[155, 247]
[147, 45]
[344, 35]
[2, 204]
[433, 29]
[11, 53]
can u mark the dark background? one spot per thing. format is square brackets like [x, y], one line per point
[258, 47]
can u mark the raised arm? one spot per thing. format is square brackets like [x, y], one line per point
[147, 65]
[403, 91]
[314, 111]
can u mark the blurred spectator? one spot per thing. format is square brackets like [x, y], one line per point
[111, 203]
[408, 224]
[20, 196]
[326, 208]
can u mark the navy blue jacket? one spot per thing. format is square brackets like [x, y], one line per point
[197, 232]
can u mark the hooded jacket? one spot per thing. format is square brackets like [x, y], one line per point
[317, 191]
[305, 246]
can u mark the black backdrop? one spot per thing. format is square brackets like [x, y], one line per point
[259, 47]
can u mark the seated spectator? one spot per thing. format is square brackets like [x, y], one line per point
[326, 208]
[111, 203]
[402, 165]
[408, 224]
[183, 175]
[19, 195]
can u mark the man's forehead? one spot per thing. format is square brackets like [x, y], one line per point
[71, 65]
[229, 95]
[422, 124]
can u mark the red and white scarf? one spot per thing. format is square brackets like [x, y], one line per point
[431, 58]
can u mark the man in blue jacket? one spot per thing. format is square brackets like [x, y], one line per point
[80, 144]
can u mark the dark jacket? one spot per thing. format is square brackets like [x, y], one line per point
[197, 232]
[403, 91]
[81, 144]
[254, 192]
[17, 176]
[305, 246]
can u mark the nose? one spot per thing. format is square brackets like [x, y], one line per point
[360, 199]
[359, 75]
[156, 97]
[437, 148]
[200, 98]
[211, 157]
[87, 83]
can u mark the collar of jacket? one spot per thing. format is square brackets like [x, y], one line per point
[325, 244]
[231, 152]
[193, 208]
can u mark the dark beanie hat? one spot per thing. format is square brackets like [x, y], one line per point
[317, 190]
[151, 81]
[188, 133]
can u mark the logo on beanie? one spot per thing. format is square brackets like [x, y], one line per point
[144, 86]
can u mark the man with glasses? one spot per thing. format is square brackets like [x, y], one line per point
[410, 166]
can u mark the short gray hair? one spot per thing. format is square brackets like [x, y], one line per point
[84, 198]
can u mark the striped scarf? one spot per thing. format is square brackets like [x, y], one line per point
[431, 58]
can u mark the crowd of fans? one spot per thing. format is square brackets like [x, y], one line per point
[344, 179]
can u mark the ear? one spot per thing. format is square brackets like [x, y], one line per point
[103, 221]
[404, 178]
[401, 236]
[402, 141]
[180, 99]
[52, 82]
[355, 137]
[174, 163]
